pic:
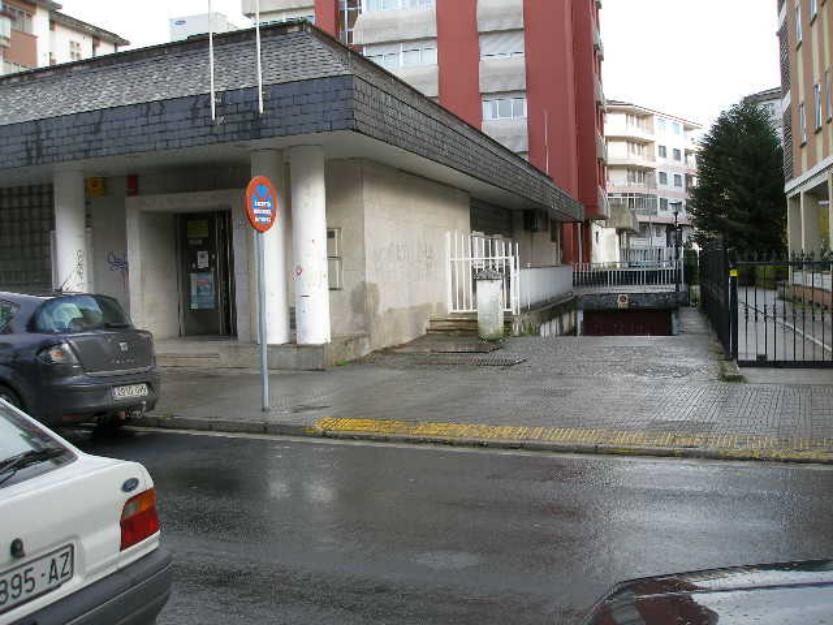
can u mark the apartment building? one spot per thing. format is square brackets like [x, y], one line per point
[526, 72]
[805, 29]
[35, 33]
[772, 103]
[652, 164]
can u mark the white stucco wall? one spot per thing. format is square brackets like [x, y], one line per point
[108, 253]
[154, 290]
[348, 309]
[536, 249]
[405, 226]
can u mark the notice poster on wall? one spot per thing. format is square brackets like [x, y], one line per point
[202, 291]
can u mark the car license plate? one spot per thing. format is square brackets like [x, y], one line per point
[130, 391]
[35, 578]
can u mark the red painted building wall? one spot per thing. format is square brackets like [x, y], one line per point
[562, 66]
[458, 50]
[326, 16]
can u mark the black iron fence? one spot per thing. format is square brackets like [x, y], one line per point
[770, 311]
[715, 292]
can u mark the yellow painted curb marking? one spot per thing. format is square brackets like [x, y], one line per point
[726, 445]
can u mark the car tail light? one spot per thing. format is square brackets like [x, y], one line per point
[139, 519]
[60, 354]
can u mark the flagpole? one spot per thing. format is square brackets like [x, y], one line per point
[211, 61]
[259, 68]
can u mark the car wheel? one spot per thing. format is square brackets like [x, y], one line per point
[10, 396]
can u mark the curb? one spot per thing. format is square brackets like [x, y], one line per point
[387, 431]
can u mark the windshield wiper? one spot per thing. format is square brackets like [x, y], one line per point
[11, 466]
[116, 324]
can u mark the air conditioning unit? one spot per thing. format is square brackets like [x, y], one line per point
[536, 221]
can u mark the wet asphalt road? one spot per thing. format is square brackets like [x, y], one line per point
[282, 531]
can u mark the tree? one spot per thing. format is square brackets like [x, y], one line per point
[739, 196]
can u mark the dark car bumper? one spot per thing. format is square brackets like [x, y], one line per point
[132, 596]
[72, 399]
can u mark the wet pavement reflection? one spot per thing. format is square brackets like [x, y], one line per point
[280, 531]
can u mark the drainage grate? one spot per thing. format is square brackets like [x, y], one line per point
[470, 361]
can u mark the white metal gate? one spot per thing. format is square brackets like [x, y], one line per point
[469, 253]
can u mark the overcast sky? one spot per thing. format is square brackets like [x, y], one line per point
[691, 58]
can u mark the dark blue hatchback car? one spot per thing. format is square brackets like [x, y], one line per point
[74, 357]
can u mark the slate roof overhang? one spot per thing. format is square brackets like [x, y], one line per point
[156, 99]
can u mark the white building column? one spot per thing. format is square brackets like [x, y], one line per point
[72, 268]
[269, 163]
[309, 241]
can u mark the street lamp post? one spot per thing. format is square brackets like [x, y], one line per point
[676, 249]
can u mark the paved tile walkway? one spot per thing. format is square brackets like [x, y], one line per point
[624, 385]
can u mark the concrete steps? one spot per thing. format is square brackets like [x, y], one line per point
[464, 324]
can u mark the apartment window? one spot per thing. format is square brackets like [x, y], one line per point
[814, 9]
[663, 203]
[636, 176]
[678, 180]
[393, 5]
[677, 128]
[409, 54]
[828, 97]
[661, 125]
[348, 13]
[678, 155]
[636, 150]
[663, 178]
[21, 20]
[817, 106]
[502, 44]
[504, 107]
[74, 51]
[799, 32]
[802, 123]
[662, 151]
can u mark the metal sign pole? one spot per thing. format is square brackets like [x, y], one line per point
[261, 319]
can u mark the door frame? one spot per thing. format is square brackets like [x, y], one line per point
[230, 200]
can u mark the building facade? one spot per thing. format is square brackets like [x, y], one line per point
[134, 188]
[526, 72]
[37, 34]
[772, 103]
[652, 164]
[806, 39]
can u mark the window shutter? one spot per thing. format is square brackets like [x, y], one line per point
[505, 43]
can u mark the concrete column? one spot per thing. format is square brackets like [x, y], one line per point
[830, 211]
[810, 239]
[794, 224]
[269, 163]
[309, 241]
[72, 270]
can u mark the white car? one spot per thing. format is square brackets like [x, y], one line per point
[79, 534]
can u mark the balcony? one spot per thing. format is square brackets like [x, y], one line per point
[643, 134]
[5, 29]
[633, 160]
[601, 148]
[600, 94]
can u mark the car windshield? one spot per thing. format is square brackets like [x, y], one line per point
[80, 313]
[20, 436]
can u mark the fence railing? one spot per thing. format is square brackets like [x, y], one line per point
[715, 293]
[467, 254]
[769, 312]
[611, 275]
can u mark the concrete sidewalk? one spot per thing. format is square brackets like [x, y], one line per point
[641, 395]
